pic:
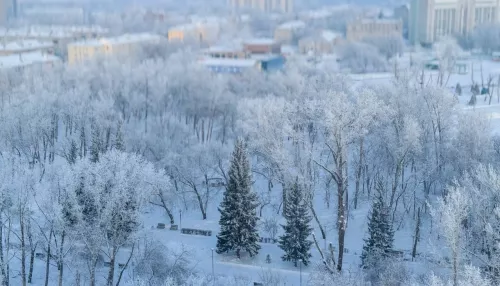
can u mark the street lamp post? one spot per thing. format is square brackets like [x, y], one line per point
[213, 272]
[180, 219]
[300, 269]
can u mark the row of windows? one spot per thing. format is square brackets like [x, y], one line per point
[444, 22]
[484, 15]
[375, 27]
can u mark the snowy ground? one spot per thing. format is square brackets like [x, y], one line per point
[254, 267]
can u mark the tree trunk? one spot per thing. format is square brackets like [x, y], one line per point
[92, 271]
[358, 174]
[32, 253]
[313, 212]
[77, 279]
[47, 260]
[200, 203]
[23, 248]
[417, 237]
[5, 281]
[111, 272]
[32, 261]
[341, 208]
[60, 261]
[125, 266]
[341, 224]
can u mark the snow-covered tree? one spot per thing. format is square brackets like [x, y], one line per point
[294, 242]
[451, 212]
[238, 220]
[379, 242]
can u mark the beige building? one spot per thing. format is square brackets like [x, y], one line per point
[283, 6]
[194, 33]
[363, 28]
[323, 42]
[289, 32]
[431, 20]
[119, 46]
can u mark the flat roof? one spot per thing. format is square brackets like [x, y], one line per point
[225, 49]
[329, 35]
[229, 62]
[24, 45]
[260, 41]
[26, 59]
[292, 25]
[124, 39]
[51, 31]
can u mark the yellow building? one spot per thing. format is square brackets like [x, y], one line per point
[119, 46]
[364, 28]
[283, 6]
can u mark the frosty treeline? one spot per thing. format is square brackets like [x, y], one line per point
[84, 150]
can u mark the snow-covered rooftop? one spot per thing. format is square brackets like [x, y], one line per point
[224, 48]
[51, 31]
[24, 45]
[292, 25]
[53, 10]
[260, 41]
[26, 59]
[124, 39]
[229, 62]
[329, 35]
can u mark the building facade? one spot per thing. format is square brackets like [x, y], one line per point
[363, 28]
[283, 6]
[119, 46]
[321, 43]
[194, 33]
[289, 32]
[262, 46]
[431, 20]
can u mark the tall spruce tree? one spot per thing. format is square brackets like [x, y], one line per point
[297, 229]
[119, 144]
[95, 148]
[238, 220]
[378, 245]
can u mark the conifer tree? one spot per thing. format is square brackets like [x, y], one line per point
[119, 144]
[378, 245]
[297, 229]
[95, 148]
[238, 220]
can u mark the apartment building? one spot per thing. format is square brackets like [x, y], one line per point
[8, 10]
[262, 46]
[26, 60]
[25, 46]
[289, 32]
[431, 20]
[362, 28]
[283, 6]
[120, 46]
[322, 42]
[226, 52]
[194, 33]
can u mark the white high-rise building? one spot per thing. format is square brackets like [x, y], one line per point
[431, 20]
[284, 6]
